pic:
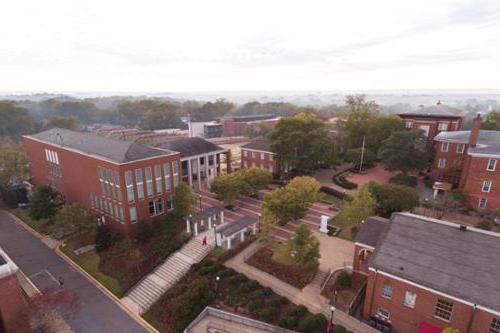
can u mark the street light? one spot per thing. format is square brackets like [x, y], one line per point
[217, 279]
[332, 308]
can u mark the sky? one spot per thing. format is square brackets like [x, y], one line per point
[257, 45]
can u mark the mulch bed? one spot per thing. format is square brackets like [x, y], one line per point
[295, 275]
[344, 294]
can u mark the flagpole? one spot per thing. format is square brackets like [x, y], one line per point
[362, 155]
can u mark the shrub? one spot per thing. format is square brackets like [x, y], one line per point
[254, 305]
[103, 238]
[208, 270]
[268, 313]
[288, 322]
[335, 193]
[226, 273]
[341, 181]
[340, 329]
[402, 179]
[312, 323]
[484, 224]
[252, 284]
[243, 289]
[268, 291]
[297, 311]
[343, 279]
[144, 232]
[237, 279]
[258, 294]
[279, 301]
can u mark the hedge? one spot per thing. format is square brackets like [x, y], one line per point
[335, 193]
[341, 181]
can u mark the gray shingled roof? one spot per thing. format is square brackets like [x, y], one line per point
[254, 117]
[438, 110]
[191, 146]
[371, 229]
[260, 144]
[487, 143]
[440, 256]
[114, 150]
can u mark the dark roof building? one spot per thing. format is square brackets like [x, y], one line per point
[113, 150]
[189, 147]
[488, 141]
[430, 274]
[439, 110]
[371, 230]
[259, 144]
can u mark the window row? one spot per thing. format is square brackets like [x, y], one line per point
[52, 156]
[110, 183]
[105, 206]
[441, 126]
[446, 145]
[157, 207]
[149, 176]
[254, 155]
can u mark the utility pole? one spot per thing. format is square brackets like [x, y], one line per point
[362, 155]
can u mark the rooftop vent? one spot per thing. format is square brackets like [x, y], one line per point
[463, 227]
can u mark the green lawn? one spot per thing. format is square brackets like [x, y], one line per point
[280, 254]
[38, 225]
[90, 263]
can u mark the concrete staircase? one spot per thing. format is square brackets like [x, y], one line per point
[166, 275]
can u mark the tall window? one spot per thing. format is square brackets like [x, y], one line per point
[441, 163]
[482, 203]
[408, 124]
[149, 181]
[486, 186]
[444, 146]
[384, 313]
[156, 207]
[443, 127]
[495, 326]
[410, 299]
[176, 173]
[129, 184]
[139, 183]
[159, 186]
[443, 310]
[133, 214]
[100, 173]
[166, 171]
[387, 290]
[460, 148]
[118, 187]
[492, 165]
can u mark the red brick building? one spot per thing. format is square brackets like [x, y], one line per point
[258, 154]
[13, 312]
[433, 120]
[122, 182]
[237, 125]
[424, 275]
[469, 160]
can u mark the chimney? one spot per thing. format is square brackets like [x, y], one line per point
[474, 133]
[438, 102]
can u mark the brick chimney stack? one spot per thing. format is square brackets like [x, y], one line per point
[474, 133]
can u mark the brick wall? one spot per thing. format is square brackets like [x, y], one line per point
[453, 165]
[406, 320]
[432, 124]
[12, 306]
[258, 159]
[79, 180]
[474, 176]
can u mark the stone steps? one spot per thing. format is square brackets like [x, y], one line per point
[166, 275]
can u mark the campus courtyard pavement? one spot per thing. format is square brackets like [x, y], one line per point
[96, 313]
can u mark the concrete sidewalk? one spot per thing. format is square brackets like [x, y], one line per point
[308, 296]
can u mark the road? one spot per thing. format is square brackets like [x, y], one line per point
[96, 313]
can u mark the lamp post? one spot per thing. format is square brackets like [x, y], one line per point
[199, 197]
[332, 309]
[215, 237]
[217, 279]
[258, 219]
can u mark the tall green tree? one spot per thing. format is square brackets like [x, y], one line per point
[183, 201]
[492, 121]
[68, 122]
[302, 142]
[14, 120]
[13, 161]
[44, 202]
[392, 198]
[362, 206]
[405, 151]
[304, 247]
[354, 156]
[73, 218]
[256, 179]
[229, 187]
[357, 120]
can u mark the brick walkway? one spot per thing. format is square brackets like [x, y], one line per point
[308, 296]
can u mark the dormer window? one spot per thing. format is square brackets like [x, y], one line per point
[442, 127]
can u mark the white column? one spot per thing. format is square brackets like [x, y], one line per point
[435, 193]
[242, 235]
[229, 243]
[218, 239]
[210, 222]
[207, 166]
[254, 228]
[202, 222]
[199, 173]
[221, 217]
[188, 226]
[190, 173]
[196, 228]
